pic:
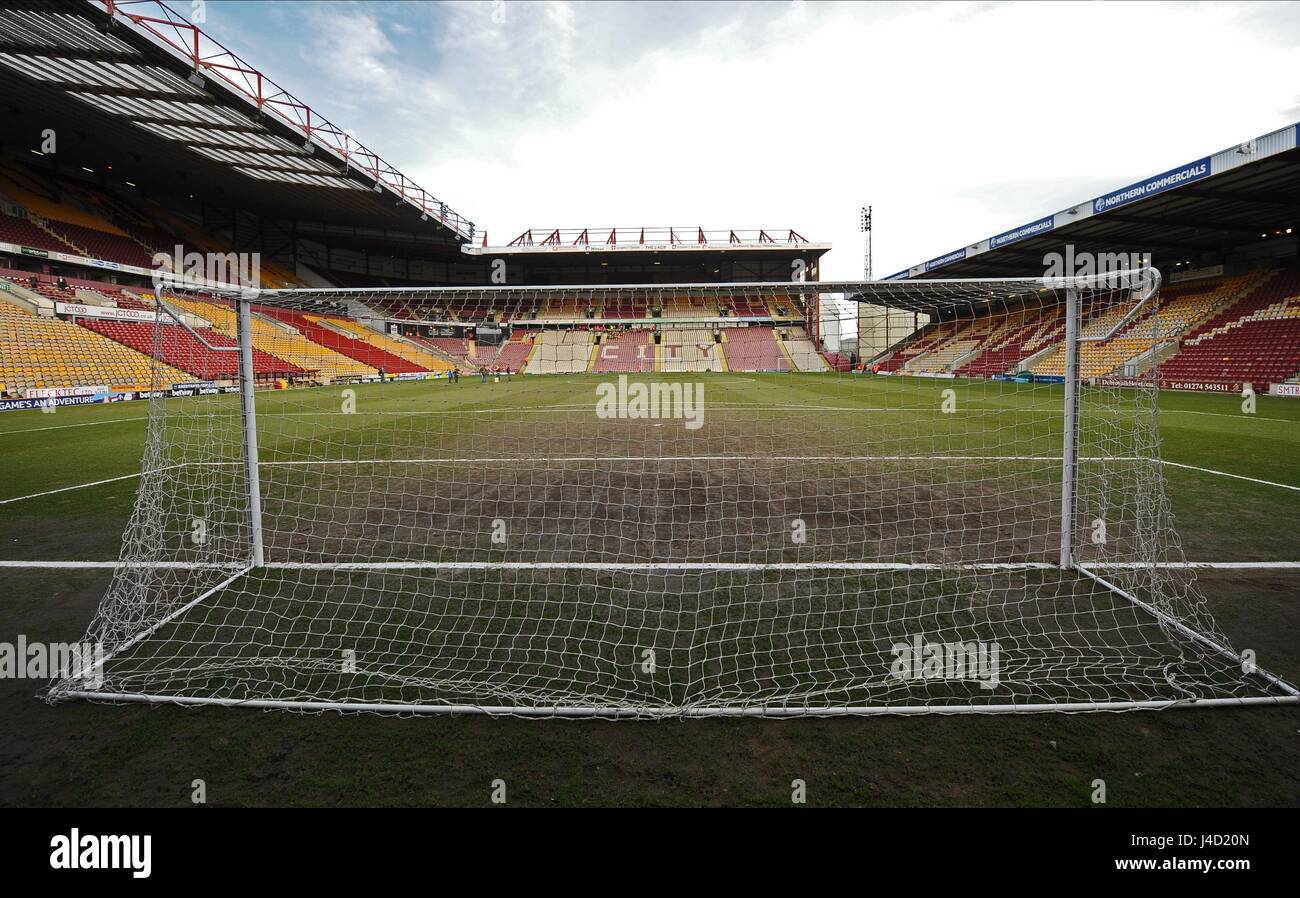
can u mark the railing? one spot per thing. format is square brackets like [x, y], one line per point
[668, 236]
[171, 31]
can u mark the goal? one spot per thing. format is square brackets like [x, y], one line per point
[663, 500]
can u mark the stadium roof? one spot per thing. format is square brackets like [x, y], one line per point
[1245, 194]
[133, 85]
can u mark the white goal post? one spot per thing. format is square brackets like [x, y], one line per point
[692, 514]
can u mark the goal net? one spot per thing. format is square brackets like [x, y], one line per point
[661, 501]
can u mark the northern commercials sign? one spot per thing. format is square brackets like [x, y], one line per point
[1176, 177]
[954, 256]
[1034, 227]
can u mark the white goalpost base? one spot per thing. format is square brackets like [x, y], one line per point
[603, 712]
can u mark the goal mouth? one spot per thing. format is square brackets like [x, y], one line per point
[742, 543]
[662, 640]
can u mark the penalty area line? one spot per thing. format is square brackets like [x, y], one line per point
[652, 459]
[64, 489]
[4, 433]
[1285, 486]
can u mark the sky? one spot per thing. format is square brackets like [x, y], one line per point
[953, 120]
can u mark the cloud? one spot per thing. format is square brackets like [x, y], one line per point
[355, 39]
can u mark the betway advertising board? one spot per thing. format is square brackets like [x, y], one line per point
[59, 397]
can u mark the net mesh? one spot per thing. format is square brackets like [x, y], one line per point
[659, 501]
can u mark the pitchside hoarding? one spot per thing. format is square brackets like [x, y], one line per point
[1193, 386]
[79, 310]
[55, 392]
[9, 405]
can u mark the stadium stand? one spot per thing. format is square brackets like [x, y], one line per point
[838, 361]
[1183, 308]
[753, 349]
[1255, 339]
[565, 307]
[316, 361]
[453, 350]
[803, 354]
[626, 307]
[784, 307]
[25, 232]
[181, 231]
[181, 349]
[688, 307]
[455, 347]
[925, 340]
[1236, 328]
[98, 244]
[68, 212]
[325, 331]
[70, 217]
[402, 308]
[524, 310]
[49, 352]
[514, 354]
[560, 352]
[474, 307]
[945, 357]
[402, 349]
[631, 351]
[1022, 334]
[483, 355]
[747, 307]
[690, 349]
[1094, 358]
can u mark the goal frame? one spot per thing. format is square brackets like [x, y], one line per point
[1149, 281]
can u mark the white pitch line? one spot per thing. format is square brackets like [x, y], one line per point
[1238, 416]
[64, 426]
[64, 489]
[645, 459]
[362, 566]
[1285, 486]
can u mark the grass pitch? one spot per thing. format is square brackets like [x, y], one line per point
[78, 753]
